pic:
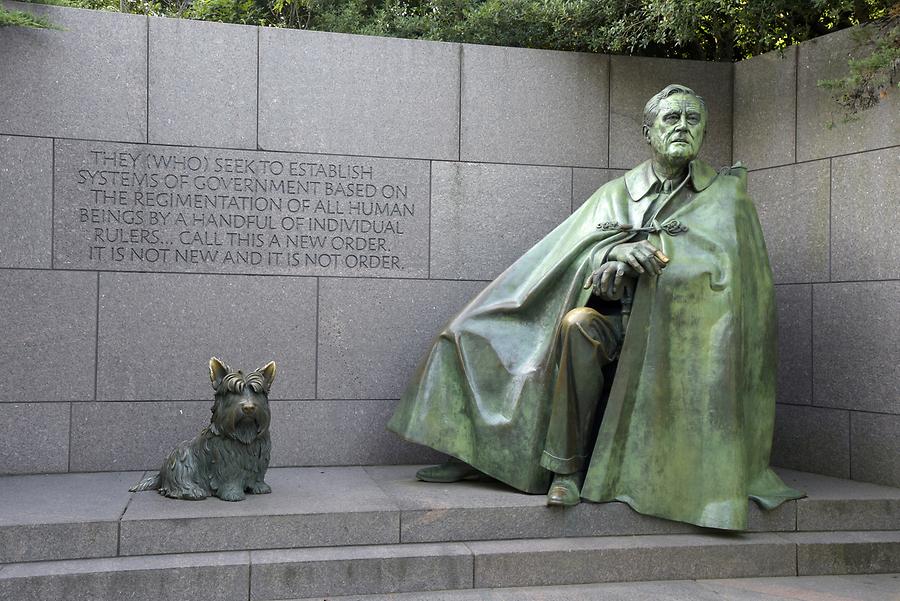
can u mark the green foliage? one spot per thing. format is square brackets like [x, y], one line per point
[22, 19]
[245, 12]
[698, 29]
[693, 29]
[874, 74]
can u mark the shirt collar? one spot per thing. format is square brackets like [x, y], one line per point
[640, 180]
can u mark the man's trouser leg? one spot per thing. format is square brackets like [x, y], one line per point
[589, 341]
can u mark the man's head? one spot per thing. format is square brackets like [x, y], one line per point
[674, 125]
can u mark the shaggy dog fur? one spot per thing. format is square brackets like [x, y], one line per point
[231, 455]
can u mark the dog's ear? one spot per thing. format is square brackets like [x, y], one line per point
[217, 372]
[268, 375]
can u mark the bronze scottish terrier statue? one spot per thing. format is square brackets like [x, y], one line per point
[231, 455]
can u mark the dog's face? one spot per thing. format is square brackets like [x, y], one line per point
[241, 408]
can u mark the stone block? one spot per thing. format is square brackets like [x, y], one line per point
[635, 79]
[66, 516]
[484, 217]
[846, 552]
[869, 587]
[202, 83]
[872, 587]
[49, 326]
[668, 590]
[765, 92]
[34, 438]
[186, 319]
[794, 304]
[781, 519]
[86, 80]
[823, 448]
[821, 127]
[132, 435]
[793, 207]
[226, 211]
[855, 350]
[340, 433]
[875, 447]
[489, 510]
[537, 107]
[310, 507]
[463, 511]
[295, 573]
[139, 435]
[863, 200]
[614, 558]
[350, 94]
[587, 181]
[373, 333]
[26, 196]
[195, 576]
[836, 504]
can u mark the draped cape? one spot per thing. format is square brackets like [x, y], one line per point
[687, 428]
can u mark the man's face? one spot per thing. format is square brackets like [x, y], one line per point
[677, 133]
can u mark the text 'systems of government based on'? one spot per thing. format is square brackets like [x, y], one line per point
[154, 208]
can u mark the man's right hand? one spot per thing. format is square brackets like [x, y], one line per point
[642, 256]
[608, 282]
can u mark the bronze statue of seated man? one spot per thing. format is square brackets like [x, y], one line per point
[629, 355]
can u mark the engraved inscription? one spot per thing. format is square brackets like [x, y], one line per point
[161, 208]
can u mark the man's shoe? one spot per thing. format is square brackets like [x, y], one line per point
[565, 491]
[452, 471]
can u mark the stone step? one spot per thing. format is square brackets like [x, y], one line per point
[471, 511]
[871, 587]
[197, 576]
[397, 568]
[76, 516]
[308, 507]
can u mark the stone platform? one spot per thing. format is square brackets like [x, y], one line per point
[877, 587]
[375, 530]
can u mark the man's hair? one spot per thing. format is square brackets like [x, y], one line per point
[651, 109]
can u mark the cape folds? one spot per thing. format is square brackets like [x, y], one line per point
[687, 429]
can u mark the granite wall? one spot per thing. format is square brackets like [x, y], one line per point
[329, 201]
[828, 192]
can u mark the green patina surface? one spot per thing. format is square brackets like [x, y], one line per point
[687, 428]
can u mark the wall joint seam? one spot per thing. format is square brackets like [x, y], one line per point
[609, 111]
[830, 189]
[69, 445]
[97, 341]
[572, 190]
[823, 158]
[258, 61]
[318, 339]
[850, 445]
[459, 106]
[812, 344]
[344, 154]
[796, 99]
[147, 107]
[52, 203]
[731, 137]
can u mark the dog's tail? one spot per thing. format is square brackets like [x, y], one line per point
[148, 483]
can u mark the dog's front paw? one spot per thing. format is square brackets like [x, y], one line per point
[192, 494]
[260, 488]
[188, 493]
[231, 494]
